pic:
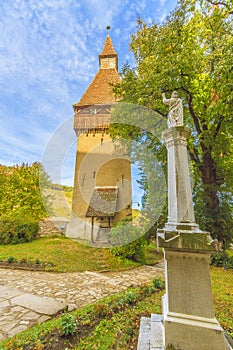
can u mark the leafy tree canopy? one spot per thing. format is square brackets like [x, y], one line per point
[20, 191]
[191, 52]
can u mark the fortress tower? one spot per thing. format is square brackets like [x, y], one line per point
[102, 182]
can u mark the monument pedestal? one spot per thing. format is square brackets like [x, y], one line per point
[188, 314]
[188, 321]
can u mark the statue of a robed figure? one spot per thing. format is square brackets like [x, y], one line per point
[175, 114]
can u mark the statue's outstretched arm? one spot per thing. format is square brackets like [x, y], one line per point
[165, 100]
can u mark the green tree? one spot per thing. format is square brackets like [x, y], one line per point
[20, 191]
[191, 52]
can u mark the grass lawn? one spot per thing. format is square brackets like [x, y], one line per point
[153, 256]
[113, 323]
[62, 254]
[222, 289]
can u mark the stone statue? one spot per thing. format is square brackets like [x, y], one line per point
[175, 114]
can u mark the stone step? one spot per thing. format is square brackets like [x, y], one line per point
[97, 244]
[103, 236]
[156, 336]
[151, 333]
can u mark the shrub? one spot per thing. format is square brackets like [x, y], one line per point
[128, 242]
[221, 259]
[218, 259]
[230, 262]
[130, 297]
[133, 251]
[17, 229]
[11, 259]
[101, 309]
[68, 324]
[158, 283]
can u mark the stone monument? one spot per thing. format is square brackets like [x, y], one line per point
[188, 321]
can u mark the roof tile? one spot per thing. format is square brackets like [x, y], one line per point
[108, 49]
[103, 202]
[100, 89]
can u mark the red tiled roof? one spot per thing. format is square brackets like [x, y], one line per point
[100, 89]
[108, 49]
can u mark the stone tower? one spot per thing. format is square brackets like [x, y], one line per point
[102, 182]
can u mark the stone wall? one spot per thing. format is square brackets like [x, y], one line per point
[51, 227]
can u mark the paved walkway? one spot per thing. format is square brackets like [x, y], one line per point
[31, 297]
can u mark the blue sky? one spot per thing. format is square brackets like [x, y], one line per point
[48, 56]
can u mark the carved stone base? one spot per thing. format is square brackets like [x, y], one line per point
[151, 337]
[188, 313]
[187, 332]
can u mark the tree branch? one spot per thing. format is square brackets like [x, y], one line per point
[218, 126]
[194, 156]
[193, 114]
[221, 3]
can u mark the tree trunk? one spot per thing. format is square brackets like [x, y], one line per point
[210, 181]
[212, 210]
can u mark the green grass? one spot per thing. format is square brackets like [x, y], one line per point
[68, 195]
[152, 255]
[62, 254]
[222, 289]
[113, 323]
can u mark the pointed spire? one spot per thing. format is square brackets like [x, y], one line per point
[108, 47]
[100, 89]
[108, 58]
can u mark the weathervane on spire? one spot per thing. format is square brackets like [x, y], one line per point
[108, 29]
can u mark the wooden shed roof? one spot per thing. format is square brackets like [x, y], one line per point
[103, 202]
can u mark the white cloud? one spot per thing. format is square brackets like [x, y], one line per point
[48, 56]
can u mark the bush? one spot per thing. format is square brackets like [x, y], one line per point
[17, 229]
[221, 259]
[133, 251]
[130, 297]
[11, 259]
[128, 242]
[230, 262]
[158, 283]
[68, 324]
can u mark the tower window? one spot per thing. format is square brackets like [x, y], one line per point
[83, 179]
[94, 174]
